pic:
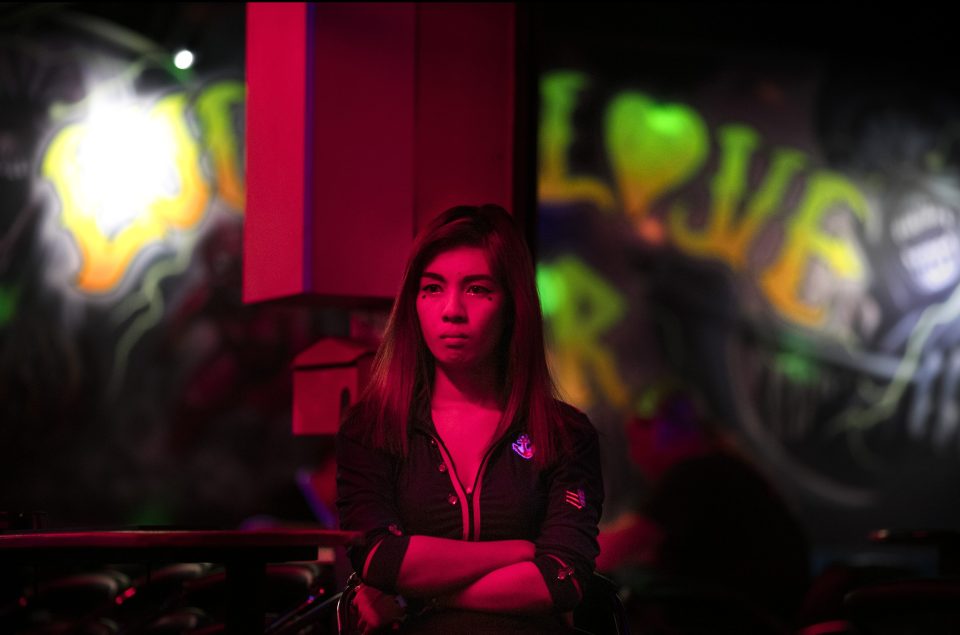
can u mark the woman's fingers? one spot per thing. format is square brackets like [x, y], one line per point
[376, 610]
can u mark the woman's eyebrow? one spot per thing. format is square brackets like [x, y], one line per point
[479, 276]
[471, 278]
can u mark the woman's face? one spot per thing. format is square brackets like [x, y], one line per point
[461, 306]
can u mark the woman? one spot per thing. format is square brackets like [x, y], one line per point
[478, 493]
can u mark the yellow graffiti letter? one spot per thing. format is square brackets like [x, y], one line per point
[805, 238]
[724, 237]
[559, 91]
[170, 192]
[581, 306]
[220, 137]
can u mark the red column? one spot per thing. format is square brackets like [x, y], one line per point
[363, 121]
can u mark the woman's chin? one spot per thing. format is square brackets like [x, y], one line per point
[455, 359]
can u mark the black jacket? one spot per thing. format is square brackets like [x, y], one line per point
[389, 499]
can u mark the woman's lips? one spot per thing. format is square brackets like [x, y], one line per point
[454, 341]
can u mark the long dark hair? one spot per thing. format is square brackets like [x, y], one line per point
[403, 369]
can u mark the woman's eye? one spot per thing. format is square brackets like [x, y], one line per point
[478, 289]
[430, 288]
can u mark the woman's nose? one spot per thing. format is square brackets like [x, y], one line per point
[453, 309]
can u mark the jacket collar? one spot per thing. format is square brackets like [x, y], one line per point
[422, 421]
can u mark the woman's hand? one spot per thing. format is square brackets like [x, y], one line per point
[376, 610]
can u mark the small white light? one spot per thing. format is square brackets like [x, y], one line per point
[183, 59]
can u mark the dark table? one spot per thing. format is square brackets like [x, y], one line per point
[244, 555]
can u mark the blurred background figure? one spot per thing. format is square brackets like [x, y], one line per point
[710, 525]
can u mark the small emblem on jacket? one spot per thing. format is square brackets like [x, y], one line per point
[523, 446]
[578, 499]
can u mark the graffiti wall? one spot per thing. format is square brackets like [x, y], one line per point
[135, 386]
[773, 225]
[764, 211]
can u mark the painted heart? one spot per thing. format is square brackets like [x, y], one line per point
[653, 147]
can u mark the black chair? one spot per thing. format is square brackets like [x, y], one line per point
[155, 594]
[177, 621]
[79, 603]
[601, 611]
[289, 588]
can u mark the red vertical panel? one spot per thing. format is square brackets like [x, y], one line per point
[363, 120]
[465, 105]
[274, 257]
[363, 113]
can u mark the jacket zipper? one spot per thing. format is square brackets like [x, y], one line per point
[457, 485]
[469, 502]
